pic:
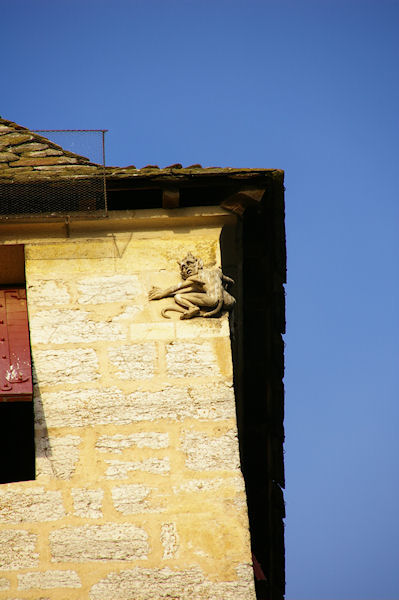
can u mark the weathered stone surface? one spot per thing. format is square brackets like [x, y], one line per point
[225, 489]
[13, 139]
[152, 331]
[209, 485]
[42, 260]
[212, 401]
[56, 367]
[19, 598]
[117, 443]
[29, 146]
[47, 293]
[200, 328]
[113, 541]
[169, 540]
[70, 326]
[6, 157]
[77, 169]
[131, 499]
[81, 408]
[205, 452]
[18, 550]
[185, 359]
[4, 584]
[208, 401]
[41, 161]
[21, 171]
[115, 288]
[56, 457]
[106, 406]
[48, 580]
[30, 504]
[119, 469]
[87, 503]
[48, 152]
[163, 255]
[134, 361]
[158, 584]
[128, 312]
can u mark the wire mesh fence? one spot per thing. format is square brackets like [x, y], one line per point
[48, 187]
[88, 143]
[52, 197]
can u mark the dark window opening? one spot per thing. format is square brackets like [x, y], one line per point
[17, 445]
[16, 407]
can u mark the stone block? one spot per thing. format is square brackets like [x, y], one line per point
[134, 361]
[212, 401]
[70, 253]
[165, 252]
[18, 550]
[131, 499]
[203, 328]
[207, 401]
[81, 408]
[118, 443]
[113, 541]
[73, 169]
[57, 457]
[187, 359]
[152, 331]
[47, 152]
[209, 485]
[120, 469]
[13, 139]
[71, 326]
[40, 161]
[30, 505]
[162, 584]
[87, 503]
[48, 580]
[114, 288]
[4, 584]
[6, 157]
[169, 540]
[205, 452]
[88, 407]
[47, 293]
[30, 147]
[128, 313]
[60, 367]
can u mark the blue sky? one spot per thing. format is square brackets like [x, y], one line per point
[311, 88]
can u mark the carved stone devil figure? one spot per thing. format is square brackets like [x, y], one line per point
[201, 293]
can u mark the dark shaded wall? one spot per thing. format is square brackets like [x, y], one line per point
[255, 257]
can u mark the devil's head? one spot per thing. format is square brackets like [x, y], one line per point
[190, 265]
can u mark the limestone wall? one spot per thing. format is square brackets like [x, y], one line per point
[139, 494]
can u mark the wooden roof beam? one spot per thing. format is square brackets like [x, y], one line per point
[170, 197]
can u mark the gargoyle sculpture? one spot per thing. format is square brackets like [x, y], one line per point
[201, 293]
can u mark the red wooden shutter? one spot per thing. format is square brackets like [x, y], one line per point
[15, 359]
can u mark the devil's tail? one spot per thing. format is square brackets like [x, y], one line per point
[215, 311]
[165, 310]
